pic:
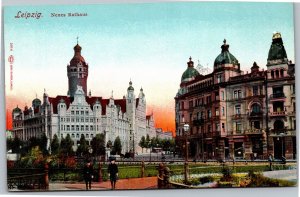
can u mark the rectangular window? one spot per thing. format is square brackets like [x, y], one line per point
[223, 111]
[77, 112]
[73, 127]
[238, 109]
[256, 124]
[82, 128]
[217, 111]
[208, 113]
[77, 127]
[222, 95]
[72, 112]
[87, 127]
[208, 128]
[238, 127]
[68, 127]
[255, 90]
[217, 127]
[92, 128]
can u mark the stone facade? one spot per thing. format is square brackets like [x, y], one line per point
[81, 113]
[233, 114]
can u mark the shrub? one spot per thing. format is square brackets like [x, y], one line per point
[206, 179]
[227, 174]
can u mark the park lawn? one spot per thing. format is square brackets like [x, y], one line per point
[135, 171]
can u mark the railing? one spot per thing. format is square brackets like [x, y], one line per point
[278, 113]
[255, 114]
[254, 131]
[198, 122]
[27, 182]
[277, 95]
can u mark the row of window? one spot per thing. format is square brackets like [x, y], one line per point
[78, 136]
[79, 119]
[79, 127]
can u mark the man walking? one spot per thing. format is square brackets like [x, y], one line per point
[113, 173]
[88, 175]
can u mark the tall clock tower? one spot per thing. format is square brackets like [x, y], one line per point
[77, 72]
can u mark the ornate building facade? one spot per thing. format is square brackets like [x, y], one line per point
[80, 113]
[233, 114]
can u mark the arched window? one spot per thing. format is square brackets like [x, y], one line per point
[272, 74]
[277, 73]
[255, 108]
[281, 73]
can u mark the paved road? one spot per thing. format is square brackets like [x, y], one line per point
[134, 183]
[290, 175]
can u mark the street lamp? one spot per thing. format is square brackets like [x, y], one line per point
[186, 128]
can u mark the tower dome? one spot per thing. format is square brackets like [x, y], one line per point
[277, 50]
[17, 110]
[225, 57]
[130, 86]
[36, 102]
[77, 58]
[190, 73]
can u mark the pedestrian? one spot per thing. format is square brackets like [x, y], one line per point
[113, 173]
[270, 159]
[88, 175]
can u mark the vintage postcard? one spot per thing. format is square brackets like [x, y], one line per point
[121, 96]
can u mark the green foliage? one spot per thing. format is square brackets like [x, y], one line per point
[66, 146]
[142, 143]
[55, 145]
[148, 141]
[206, 179]
[108, 144]
[83, 147]
[43, 141]
[98, 145]
[117, 148]
[227, 174]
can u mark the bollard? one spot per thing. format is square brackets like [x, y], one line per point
[46, 176]
[166, 177]
[160, 184]
[143, 169]
[100, 173]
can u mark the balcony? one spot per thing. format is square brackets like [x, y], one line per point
[255, 114]
[237, 116]
[198, 122]
[277, 96]
[277, 114]
[253, 131]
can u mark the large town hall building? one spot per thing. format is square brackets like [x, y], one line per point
[233, 114]
[80, 113]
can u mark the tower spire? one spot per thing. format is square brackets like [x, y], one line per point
[77, 39]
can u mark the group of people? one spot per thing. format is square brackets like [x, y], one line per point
[112, 170]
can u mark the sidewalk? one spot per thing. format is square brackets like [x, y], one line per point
[290, 175]
[133, 183]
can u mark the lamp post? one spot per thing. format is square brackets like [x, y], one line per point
[186, 128]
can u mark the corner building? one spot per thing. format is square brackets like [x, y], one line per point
[233, 114]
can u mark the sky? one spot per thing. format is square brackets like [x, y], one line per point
[148, 43]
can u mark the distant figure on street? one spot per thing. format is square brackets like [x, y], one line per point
[270, 159]
[113, 173]
[88, 175]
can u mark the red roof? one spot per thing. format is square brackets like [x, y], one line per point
[90, 100]
[56, 100]
[122, 104]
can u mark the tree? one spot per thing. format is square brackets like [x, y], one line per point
[66, 145]
[117, 148]
[33, 142]
[108, 144]
[142, 143]
[55, 145]
[98, 145]
[43, 141]
[16, 145]
[148, 141]
[83, 147]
